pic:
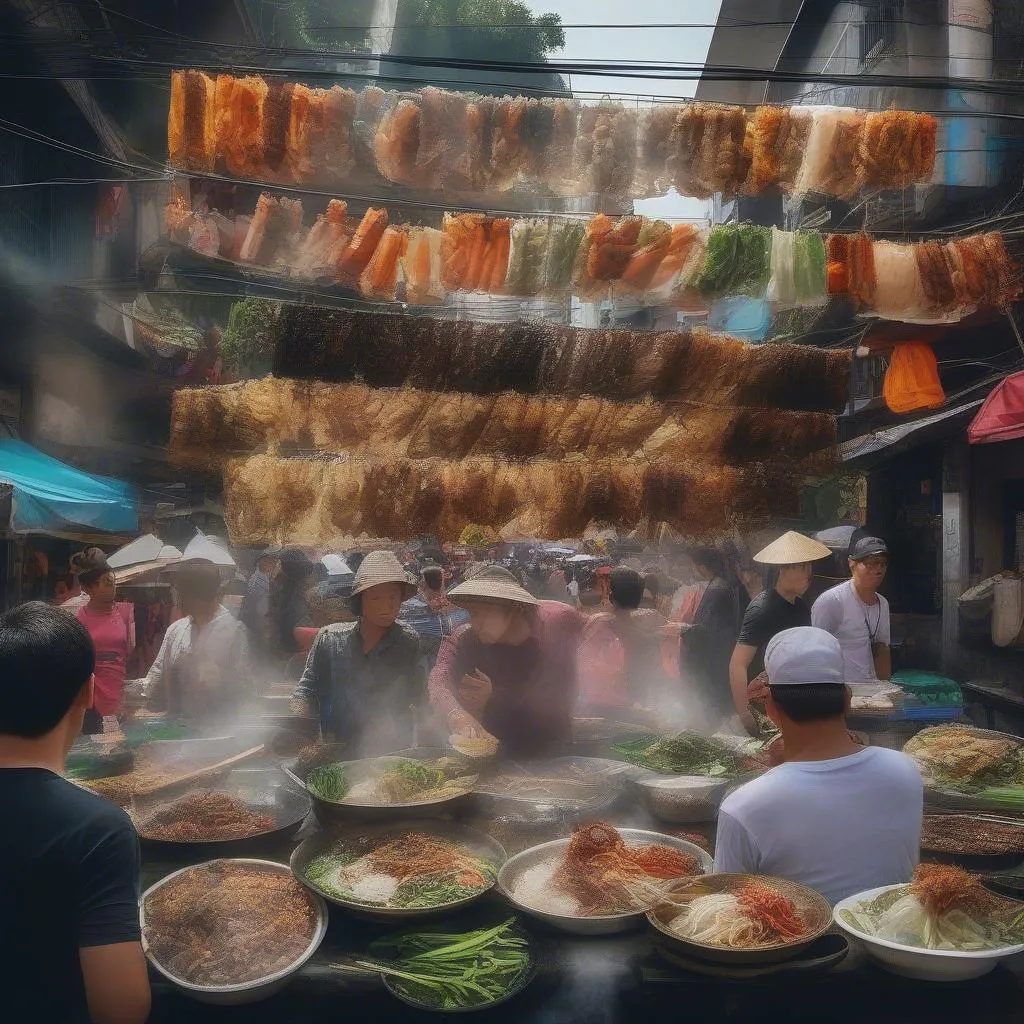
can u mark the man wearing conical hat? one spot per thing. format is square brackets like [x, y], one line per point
[773, 610]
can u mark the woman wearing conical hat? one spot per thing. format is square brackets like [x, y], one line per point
[773, 610]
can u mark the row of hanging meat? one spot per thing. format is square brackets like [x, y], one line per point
[636, 259]
[433, 139]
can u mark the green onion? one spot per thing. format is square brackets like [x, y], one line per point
[328, 782]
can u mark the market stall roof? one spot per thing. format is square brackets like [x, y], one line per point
[1001, 417]
[215, 550]
[52, 497]
[145, 555]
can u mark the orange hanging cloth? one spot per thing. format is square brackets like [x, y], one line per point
[912, 379]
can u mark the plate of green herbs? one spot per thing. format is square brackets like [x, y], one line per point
[448, 970]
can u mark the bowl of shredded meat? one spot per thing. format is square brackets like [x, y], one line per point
[245, 810]
[231, 931]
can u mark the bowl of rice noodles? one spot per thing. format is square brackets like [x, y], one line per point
[601, 880]
[741, 919]
[400, 871]
[943, 926]
[388, 788]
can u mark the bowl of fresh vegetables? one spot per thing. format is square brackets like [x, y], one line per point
[388, 788]
[400, 871]
[942, 926]
[450, 971]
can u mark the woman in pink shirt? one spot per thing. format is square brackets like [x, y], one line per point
[112, 627]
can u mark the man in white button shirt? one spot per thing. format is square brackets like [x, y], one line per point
[858, 616]
[837, 816]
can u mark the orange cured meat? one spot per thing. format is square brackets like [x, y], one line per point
[380, 278]
[360, 250]
[239, 103]
[681, 243]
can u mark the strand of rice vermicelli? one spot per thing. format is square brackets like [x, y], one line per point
[755, 915]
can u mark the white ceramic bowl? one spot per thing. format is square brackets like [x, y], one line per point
[249, 991]
[914, 962]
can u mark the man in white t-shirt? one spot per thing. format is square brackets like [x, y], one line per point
[837, 817]
[858, 616]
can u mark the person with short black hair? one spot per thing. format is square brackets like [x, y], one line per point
[858, 615]
[708, 641]
[620, 662]
[836, 816]
[70, 948]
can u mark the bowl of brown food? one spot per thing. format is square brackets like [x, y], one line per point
[231, 931]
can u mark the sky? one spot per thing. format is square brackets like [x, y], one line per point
[657, 45]
[613, 42]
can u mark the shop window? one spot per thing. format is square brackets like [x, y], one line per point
[878, 30]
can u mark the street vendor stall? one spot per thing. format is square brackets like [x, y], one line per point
[613, 977]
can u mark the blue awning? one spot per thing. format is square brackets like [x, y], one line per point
[51, 497]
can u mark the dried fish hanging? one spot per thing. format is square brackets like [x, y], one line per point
[387, 350]
[436, 139]
[274, 500]
[776, 143]
[633, 258]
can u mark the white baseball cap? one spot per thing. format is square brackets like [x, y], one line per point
[804, 656]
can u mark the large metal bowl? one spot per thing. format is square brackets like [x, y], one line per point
[330, 812]
[247, 992]
[267, 791]
[914, 962]
[604, 924]
[683, 798]
[592, 787]
[812, 907]
[367, 838]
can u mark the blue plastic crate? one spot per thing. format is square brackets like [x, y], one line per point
[929, 713]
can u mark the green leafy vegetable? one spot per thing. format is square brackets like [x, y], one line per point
[687, 753]
[328, 782]
[454, 971]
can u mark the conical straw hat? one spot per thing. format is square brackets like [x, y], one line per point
[791, 549]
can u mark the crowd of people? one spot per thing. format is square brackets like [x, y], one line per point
[502, 653]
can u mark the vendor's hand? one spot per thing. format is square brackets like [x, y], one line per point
[461, 723]
[475, 693]
[132, 695]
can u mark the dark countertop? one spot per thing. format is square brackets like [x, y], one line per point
[605, 980]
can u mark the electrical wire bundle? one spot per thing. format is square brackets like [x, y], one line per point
[430, 138]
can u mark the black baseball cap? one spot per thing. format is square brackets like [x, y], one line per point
[866, 547]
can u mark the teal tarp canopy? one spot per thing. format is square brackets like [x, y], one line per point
[51, 497]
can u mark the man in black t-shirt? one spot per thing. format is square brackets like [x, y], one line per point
[70, 949]
[773, 610]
